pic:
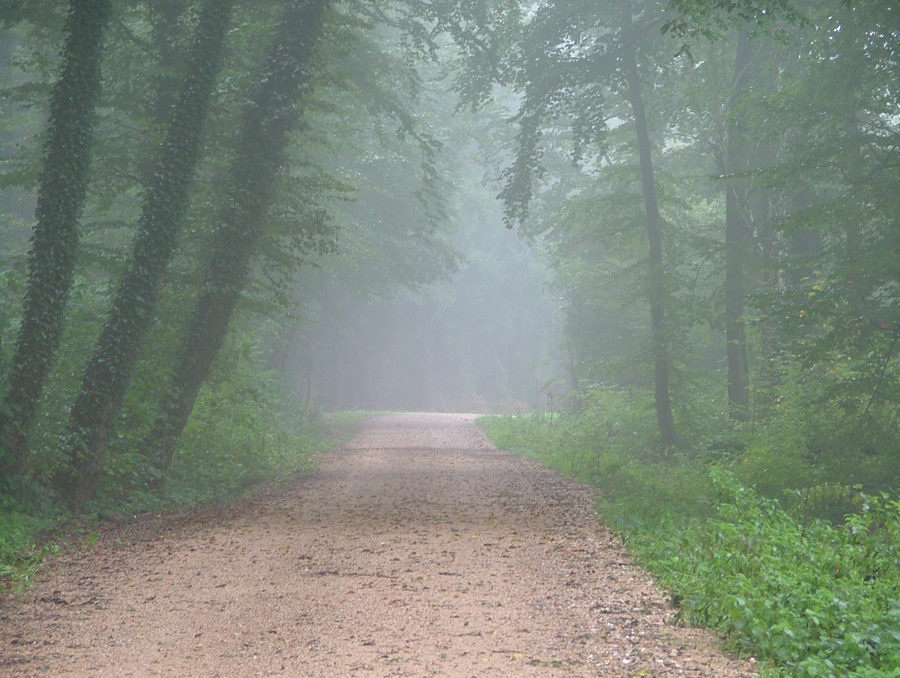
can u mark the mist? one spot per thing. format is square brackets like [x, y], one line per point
[661, 235]
[668, 222]
[481, 339]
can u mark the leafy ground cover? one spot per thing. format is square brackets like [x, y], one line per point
[783, 578]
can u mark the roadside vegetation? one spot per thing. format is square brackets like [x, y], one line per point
[244, 432]
[218, 217]
[715, 194]
[789, 548]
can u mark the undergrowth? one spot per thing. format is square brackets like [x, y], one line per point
[229, 446]
[805, 592]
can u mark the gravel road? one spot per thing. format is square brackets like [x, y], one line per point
[417, 549]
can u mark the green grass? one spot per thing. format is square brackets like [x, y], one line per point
[805, 595]
[20, 551]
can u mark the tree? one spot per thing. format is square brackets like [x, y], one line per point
[841, 311]
[655, 275]
[109, 368]
[268, 117]
[736, 235]
[165, 15]
[573, 63]
[61, 195]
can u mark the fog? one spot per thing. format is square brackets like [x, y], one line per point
[481, 338]
[216, 214]
[665, 229]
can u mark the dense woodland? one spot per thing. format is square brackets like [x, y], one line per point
[667, 228]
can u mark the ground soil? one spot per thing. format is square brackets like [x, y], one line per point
[415, 550]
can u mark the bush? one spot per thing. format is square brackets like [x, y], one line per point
[812, 597]
[815, 599]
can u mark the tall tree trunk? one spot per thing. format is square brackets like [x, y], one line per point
[60, 199]
[112, 362]
[655, 272]
[269, 115]
[165, 17]
[761, 217]
[737, 235]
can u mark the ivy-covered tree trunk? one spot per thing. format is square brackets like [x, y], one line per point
[268, 117]
[737, 236]
[166, 200]
[657, 292]
[60, 199]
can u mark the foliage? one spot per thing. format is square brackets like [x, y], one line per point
[713, 18]
[246, 427]
[359, 90]
[60, 201]
[20, 553]
[268, 116]
[813, 597]
[795, 108]
[111, 364]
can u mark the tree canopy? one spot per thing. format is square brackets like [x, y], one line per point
[700, 195]
[671, 223]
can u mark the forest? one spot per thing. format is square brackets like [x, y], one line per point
[655, 241]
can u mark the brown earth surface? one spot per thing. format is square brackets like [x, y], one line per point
[417, 549]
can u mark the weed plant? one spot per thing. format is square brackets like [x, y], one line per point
[19, 551]
[807, 592]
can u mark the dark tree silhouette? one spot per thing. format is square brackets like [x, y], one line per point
[60, 199]
[112, 362]
[655, 272]
[737, 246]
[268, 117]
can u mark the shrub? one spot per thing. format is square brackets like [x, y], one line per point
[812, 597]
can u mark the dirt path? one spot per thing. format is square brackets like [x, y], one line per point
[416, 550]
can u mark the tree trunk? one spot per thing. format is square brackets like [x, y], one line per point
[761, 217]
[737, 236]
[268, 117]
[654, 263]
[61, 193]
[112, 362]
[165, 16]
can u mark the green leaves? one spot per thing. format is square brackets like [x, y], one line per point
[109, 369]
[810, 598]
[61, 195]
[802, 595]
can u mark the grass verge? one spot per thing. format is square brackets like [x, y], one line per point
[807, 597]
